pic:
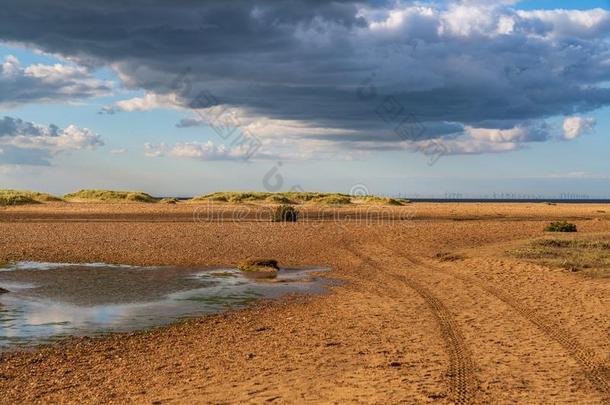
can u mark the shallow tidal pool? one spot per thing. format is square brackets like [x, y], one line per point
[50, 301]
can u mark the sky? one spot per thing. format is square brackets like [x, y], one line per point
[471, 98]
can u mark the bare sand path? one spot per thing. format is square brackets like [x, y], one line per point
[405, 328]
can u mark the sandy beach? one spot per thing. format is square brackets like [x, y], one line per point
[431, 309]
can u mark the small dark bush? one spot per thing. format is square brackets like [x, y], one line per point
[560, 226]
[285, 213]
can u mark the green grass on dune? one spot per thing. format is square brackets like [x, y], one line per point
[109, 196]
[23, 197]
[373, 199]
[18, 197]
[293, 197]
[333, 199]
[234, 197]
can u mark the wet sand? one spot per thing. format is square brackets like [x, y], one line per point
[405, 328]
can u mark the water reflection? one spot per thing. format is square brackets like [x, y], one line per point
[49, 301]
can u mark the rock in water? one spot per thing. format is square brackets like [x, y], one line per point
[260, 265]
[3, 291]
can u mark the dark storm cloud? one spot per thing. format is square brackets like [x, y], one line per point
[473, 65]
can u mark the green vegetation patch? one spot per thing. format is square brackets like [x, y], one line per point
[560, 226]
[109, 196]
[259, 265]
[574, 255]
[21, 197]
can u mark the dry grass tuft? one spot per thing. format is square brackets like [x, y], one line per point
[576, 255]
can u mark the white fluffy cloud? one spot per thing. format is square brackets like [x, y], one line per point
[46, 83]
[30, 143]
[150, 101]
[574, 127]
[485, 140]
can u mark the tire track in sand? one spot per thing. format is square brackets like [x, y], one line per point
[462, 380]
[596, 372]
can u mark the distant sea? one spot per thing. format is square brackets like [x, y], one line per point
[511, 200]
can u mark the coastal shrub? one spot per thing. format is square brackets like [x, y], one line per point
[285, 213]
[560, 226]
[110, 196]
